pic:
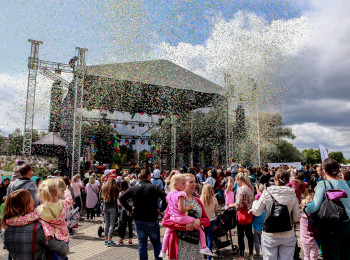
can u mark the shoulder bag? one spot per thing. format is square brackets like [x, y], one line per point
[191, 237]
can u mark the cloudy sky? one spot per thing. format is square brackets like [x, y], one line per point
[297, 50]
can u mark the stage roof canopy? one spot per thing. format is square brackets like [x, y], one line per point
[152, 87]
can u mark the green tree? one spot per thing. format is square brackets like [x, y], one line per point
[2, 142]
[272, 140]
[289, 153]
[311, 156]
[16, 142]
[337, 156]
[142, 155]
[103, 140]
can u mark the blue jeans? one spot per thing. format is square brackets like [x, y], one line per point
[145, 230]
[209, 232]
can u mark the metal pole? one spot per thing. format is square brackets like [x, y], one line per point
[258, 123]
[33, 65]
[173, 141]
[78, 113]
[191, 157]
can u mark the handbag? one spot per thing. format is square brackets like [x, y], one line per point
[191, 237]
[243, 217]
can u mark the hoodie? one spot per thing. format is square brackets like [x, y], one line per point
[285, 196]
[50, 215]
[26, 184]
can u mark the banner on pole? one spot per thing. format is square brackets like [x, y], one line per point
[324, 153]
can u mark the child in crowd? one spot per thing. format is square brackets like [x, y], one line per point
[51, 213]
[177, 210]
[257, 229]
[229, 195]
[167, 181]
[309, 245]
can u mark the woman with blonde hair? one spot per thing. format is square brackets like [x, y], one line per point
[211, 205]
[180, 249]
[109, 194]
[244, 200]
[92, 190]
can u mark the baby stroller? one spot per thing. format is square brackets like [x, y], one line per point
[100, 229]
[222, 236]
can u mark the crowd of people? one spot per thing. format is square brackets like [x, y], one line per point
[271, 204]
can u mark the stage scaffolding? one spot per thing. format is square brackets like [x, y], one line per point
[155, 84]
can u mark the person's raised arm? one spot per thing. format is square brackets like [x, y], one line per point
[259, 205]
[315, 204]
[181, 205]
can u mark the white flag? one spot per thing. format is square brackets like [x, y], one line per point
[324, 153]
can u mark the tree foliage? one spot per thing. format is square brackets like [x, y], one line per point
[311, 156]
[100, 136]
[338, 156]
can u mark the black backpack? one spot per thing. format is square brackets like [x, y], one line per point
[278, 219]
[331, 212]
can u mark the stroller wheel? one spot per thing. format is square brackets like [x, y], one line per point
[100, 231]
[235, 249]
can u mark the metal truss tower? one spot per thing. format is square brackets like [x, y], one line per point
[33, 65]
[173, 141]
[78, 113]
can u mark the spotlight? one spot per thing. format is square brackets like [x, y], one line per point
[142, 142]
[126, 142]
[133, 142]
[141, 113]
[115, 126]
[109, 142]
[72, 62]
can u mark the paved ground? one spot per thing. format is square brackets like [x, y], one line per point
[87, 245]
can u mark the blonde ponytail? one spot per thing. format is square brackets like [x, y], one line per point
[48, 191]
[243, 177]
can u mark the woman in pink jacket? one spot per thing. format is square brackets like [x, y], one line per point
[179, 249]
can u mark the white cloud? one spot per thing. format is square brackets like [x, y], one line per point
[310, 135]
[13, 92]
[305, 56]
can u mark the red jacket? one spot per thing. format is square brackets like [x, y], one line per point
[167, 222]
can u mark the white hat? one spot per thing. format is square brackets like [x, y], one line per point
[106, 172]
